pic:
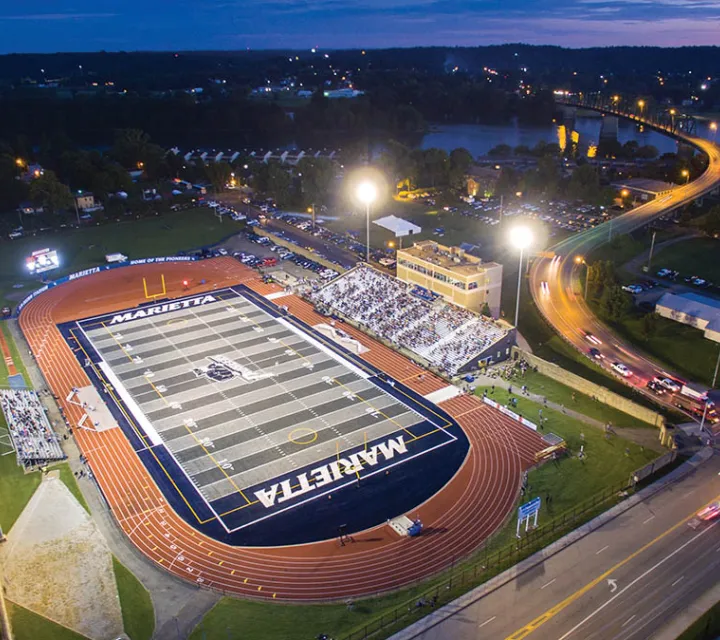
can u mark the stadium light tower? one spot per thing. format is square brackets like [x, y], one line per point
[520, 238]
[367, 194]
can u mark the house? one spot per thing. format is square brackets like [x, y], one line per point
[86, 203]
[692, 309]
[27, 208]
[480, 181]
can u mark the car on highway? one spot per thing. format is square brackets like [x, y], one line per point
[710, 512]
[621, 369]
[593, 352]
[656, 387]
[669, 384]
[591, 338]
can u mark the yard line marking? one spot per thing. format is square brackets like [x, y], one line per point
[599, 551]
[678, 581]
[488, 621]
[547, 584]
[628, 620]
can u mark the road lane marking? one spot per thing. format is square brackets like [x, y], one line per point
[628, 620]
[488, 621]
[599, 551]
[553, 611]
[547, 584]
[648, 520]
[640, 577]
[678, 581]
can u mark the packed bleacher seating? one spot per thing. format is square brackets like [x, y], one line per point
[32, 436]
[445, 335]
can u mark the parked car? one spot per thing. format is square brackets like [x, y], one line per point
[633, 288]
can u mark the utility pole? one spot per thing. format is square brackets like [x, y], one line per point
[652, 247]
[502, 199]
[712, 386]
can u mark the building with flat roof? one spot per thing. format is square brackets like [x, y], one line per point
[645, 188]
[460, 278]
[692, 309]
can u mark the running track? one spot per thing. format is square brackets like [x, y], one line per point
[457, 519]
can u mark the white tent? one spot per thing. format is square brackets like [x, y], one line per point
[398, 226]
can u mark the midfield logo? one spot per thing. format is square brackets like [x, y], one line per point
[222, 369]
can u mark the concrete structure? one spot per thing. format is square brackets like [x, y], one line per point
[460, 278]
[609, 128]
[645, 189]
[692, 309]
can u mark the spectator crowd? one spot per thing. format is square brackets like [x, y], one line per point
[445, 335]
[33, 437]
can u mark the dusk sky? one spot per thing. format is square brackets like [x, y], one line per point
[90, 25]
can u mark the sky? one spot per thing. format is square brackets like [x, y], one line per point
[45, 26]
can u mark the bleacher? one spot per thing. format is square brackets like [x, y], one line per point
[34, 440]
[445, 335]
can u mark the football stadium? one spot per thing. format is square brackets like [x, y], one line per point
[244, 442]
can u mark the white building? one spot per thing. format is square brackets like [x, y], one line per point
[692, 309]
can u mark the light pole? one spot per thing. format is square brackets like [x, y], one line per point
[713, 128]
[520, 238]
[712, 386]
[641, 104]
[581, 260]
[652, 247]
[685, 174]
[367, 193]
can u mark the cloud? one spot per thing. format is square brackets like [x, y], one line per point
[59, 16]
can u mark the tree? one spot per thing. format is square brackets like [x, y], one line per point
[501, 151]
[460, 162]
[50, 193]
[486, 310]
[316, 180]
[648, 325]
[711, 222]
[435, 166]
[218, 173]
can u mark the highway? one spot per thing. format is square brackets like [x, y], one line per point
[561, 301]
[637, 577]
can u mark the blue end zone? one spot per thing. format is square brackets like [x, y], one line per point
[313, 502]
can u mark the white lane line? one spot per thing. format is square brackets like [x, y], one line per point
[640, 577]
[678, 581]
[547, 584]
[599, 551]
[488, 621]
[689, 493]
[648, 520]
[628, 620]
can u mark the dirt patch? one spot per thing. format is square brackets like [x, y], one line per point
[57, 564]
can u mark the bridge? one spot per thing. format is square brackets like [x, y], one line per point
[561, 302]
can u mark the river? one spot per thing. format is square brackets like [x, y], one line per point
[479, 139]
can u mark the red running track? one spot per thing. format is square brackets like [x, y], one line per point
[457, 519]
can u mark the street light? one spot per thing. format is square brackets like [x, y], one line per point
[713, 128]
[520, 238]
[685, 174]
[580, 260]
[367, 194]
[641, 104]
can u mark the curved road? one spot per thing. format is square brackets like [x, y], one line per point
[561, 301]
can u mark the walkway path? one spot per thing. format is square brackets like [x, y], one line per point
[7, 356]
[643, 436]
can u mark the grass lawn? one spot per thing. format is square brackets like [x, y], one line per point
[19, 365]
[86, 247]
[137, 607]
[681, 347]
[27, 625]
[570, 483]
[66, 475]
[562, 394]
[696, 257]
[607, 462]
[16, 487]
